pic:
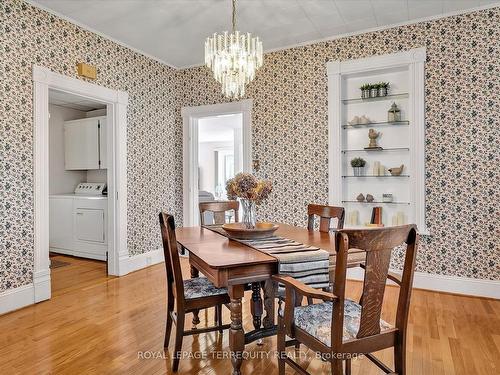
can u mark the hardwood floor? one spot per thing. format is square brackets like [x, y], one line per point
[96, 324]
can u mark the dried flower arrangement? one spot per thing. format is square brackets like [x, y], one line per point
[247, 186]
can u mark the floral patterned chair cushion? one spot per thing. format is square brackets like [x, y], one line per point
[316, 320]
[200, 287]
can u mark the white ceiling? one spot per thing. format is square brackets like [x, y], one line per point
[174, 31]
[218, 128]
[67, 100]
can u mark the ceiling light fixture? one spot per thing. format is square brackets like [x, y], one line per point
[234, 58]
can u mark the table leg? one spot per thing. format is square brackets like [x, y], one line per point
[256, 305]
[196, 318]
[269, 296]
[236, 334]
[256, 308]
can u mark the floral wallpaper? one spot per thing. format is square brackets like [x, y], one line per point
[462, 132]
[289, 130]
[154, 161]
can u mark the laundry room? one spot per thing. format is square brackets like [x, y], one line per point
[78, 230]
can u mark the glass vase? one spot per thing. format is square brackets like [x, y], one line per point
[248, 217]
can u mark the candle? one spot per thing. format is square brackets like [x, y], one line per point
[354, 218]
[394, 220]
[401, 218]
[381, 171]
[376, 168]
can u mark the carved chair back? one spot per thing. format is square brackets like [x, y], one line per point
[326, 215]
[219, 209]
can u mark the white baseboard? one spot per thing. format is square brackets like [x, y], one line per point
[137, 262]
[448, 284]
[16, 298]
[26, 295]
[41, 285]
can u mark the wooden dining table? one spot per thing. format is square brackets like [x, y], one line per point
[233, 265]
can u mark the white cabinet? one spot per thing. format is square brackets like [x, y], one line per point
[89, 224]
[78, 225]
[85, 144]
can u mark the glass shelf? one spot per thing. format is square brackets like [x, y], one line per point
[376, 202]
[376, 99]
[394, 123]
[370, 176]
[379, 149]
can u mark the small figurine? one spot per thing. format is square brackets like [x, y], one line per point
[373, 135]
[355, 121]
[360, 197]
[369, 198]
[364, 120]
[394, 113]
[396, 171]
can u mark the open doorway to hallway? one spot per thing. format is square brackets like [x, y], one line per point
[220, 151]
[217, 146]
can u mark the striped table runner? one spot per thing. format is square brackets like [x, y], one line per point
[308, 264]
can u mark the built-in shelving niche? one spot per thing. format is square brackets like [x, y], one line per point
[402, 142]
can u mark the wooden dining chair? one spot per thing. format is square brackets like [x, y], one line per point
[326, 215]
[218, 209]
[340, 328]
[188, 296]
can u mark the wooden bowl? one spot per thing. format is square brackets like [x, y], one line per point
[261, 230]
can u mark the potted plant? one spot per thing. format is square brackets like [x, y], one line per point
[357, 165]
[374, 90]
[365, 91]
[383, 88]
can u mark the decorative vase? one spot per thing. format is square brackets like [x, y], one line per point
[382, 91]
[248, 218]
[358, 171]
[365, 93]
[387, 197]
[373, 92]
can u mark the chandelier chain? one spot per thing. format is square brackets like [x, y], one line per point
[234, 16]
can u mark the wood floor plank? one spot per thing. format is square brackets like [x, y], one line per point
[95, 324]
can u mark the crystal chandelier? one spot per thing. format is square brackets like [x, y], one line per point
[234, 58]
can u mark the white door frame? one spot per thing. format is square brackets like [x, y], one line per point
[43, 80]
[190, 117]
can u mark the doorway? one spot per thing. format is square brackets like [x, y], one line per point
[217, 145]
[78, 232]
[113, 140]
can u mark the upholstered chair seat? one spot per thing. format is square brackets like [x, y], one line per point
[200, 287]
[316, 320]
